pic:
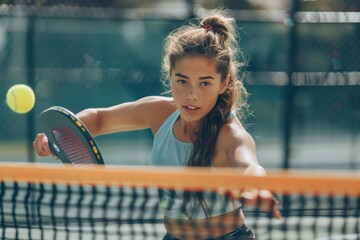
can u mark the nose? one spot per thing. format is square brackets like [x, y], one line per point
[191, 93]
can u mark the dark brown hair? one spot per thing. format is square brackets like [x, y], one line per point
[214, 37]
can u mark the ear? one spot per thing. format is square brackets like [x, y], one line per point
[224, 84]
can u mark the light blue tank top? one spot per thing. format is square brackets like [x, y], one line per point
[167, 150]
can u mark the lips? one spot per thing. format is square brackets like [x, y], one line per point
[190, 109]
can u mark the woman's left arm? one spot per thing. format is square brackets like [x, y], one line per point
[241, 152]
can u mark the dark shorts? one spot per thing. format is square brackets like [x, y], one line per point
[242, 233]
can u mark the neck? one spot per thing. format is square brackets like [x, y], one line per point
[186, 130]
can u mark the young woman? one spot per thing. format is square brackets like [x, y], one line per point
[197, 126]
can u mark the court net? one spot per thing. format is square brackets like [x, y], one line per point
[52, 202]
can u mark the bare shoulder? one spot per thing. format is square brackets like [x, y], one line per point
[234, 130]
[162, 105]
[157, 101]
[237, 143]
[157, 109]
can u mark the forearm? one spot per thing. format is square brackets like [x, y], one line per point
[260, 198]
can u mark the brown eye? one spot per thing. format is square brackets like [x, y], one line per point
[205, 84]
[181, 82]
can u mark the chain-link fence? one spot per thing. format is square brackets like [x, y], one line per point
[303, 77]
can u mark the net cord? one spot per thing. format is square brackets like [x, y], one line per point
[287, 182]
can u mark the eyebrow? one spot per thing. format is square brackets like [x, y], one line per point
[186, 77]
[181, 75]
[206, 77]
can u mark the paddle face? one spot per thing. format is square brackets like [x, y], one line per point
[69, 139]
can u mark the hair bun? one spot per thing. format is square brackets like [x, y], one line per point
[207, 27]
[217, 24]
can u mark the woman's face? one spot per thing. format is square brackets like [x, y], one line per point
[195, 85]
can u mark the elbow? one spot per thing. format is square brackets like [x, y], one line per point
[255, 170]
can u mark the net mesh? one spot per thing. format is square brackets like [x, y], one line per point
[46, 202]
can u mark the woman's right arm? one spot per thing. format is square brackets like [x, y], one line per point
[127, 116]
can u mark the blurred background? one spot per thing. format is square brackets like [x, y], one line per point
[303, 74]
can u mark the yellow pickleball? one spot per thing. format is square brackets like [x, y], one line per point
[20, 98]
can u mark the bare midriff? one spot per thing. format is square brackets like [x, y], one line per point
[204, 228]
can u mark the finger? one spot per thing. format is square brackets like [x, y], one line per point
[276, 214]
[38, 146]
[269, 204]
[45, 144]
[249, 198]
[266, 201]
[262, 199]
[41, 145]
